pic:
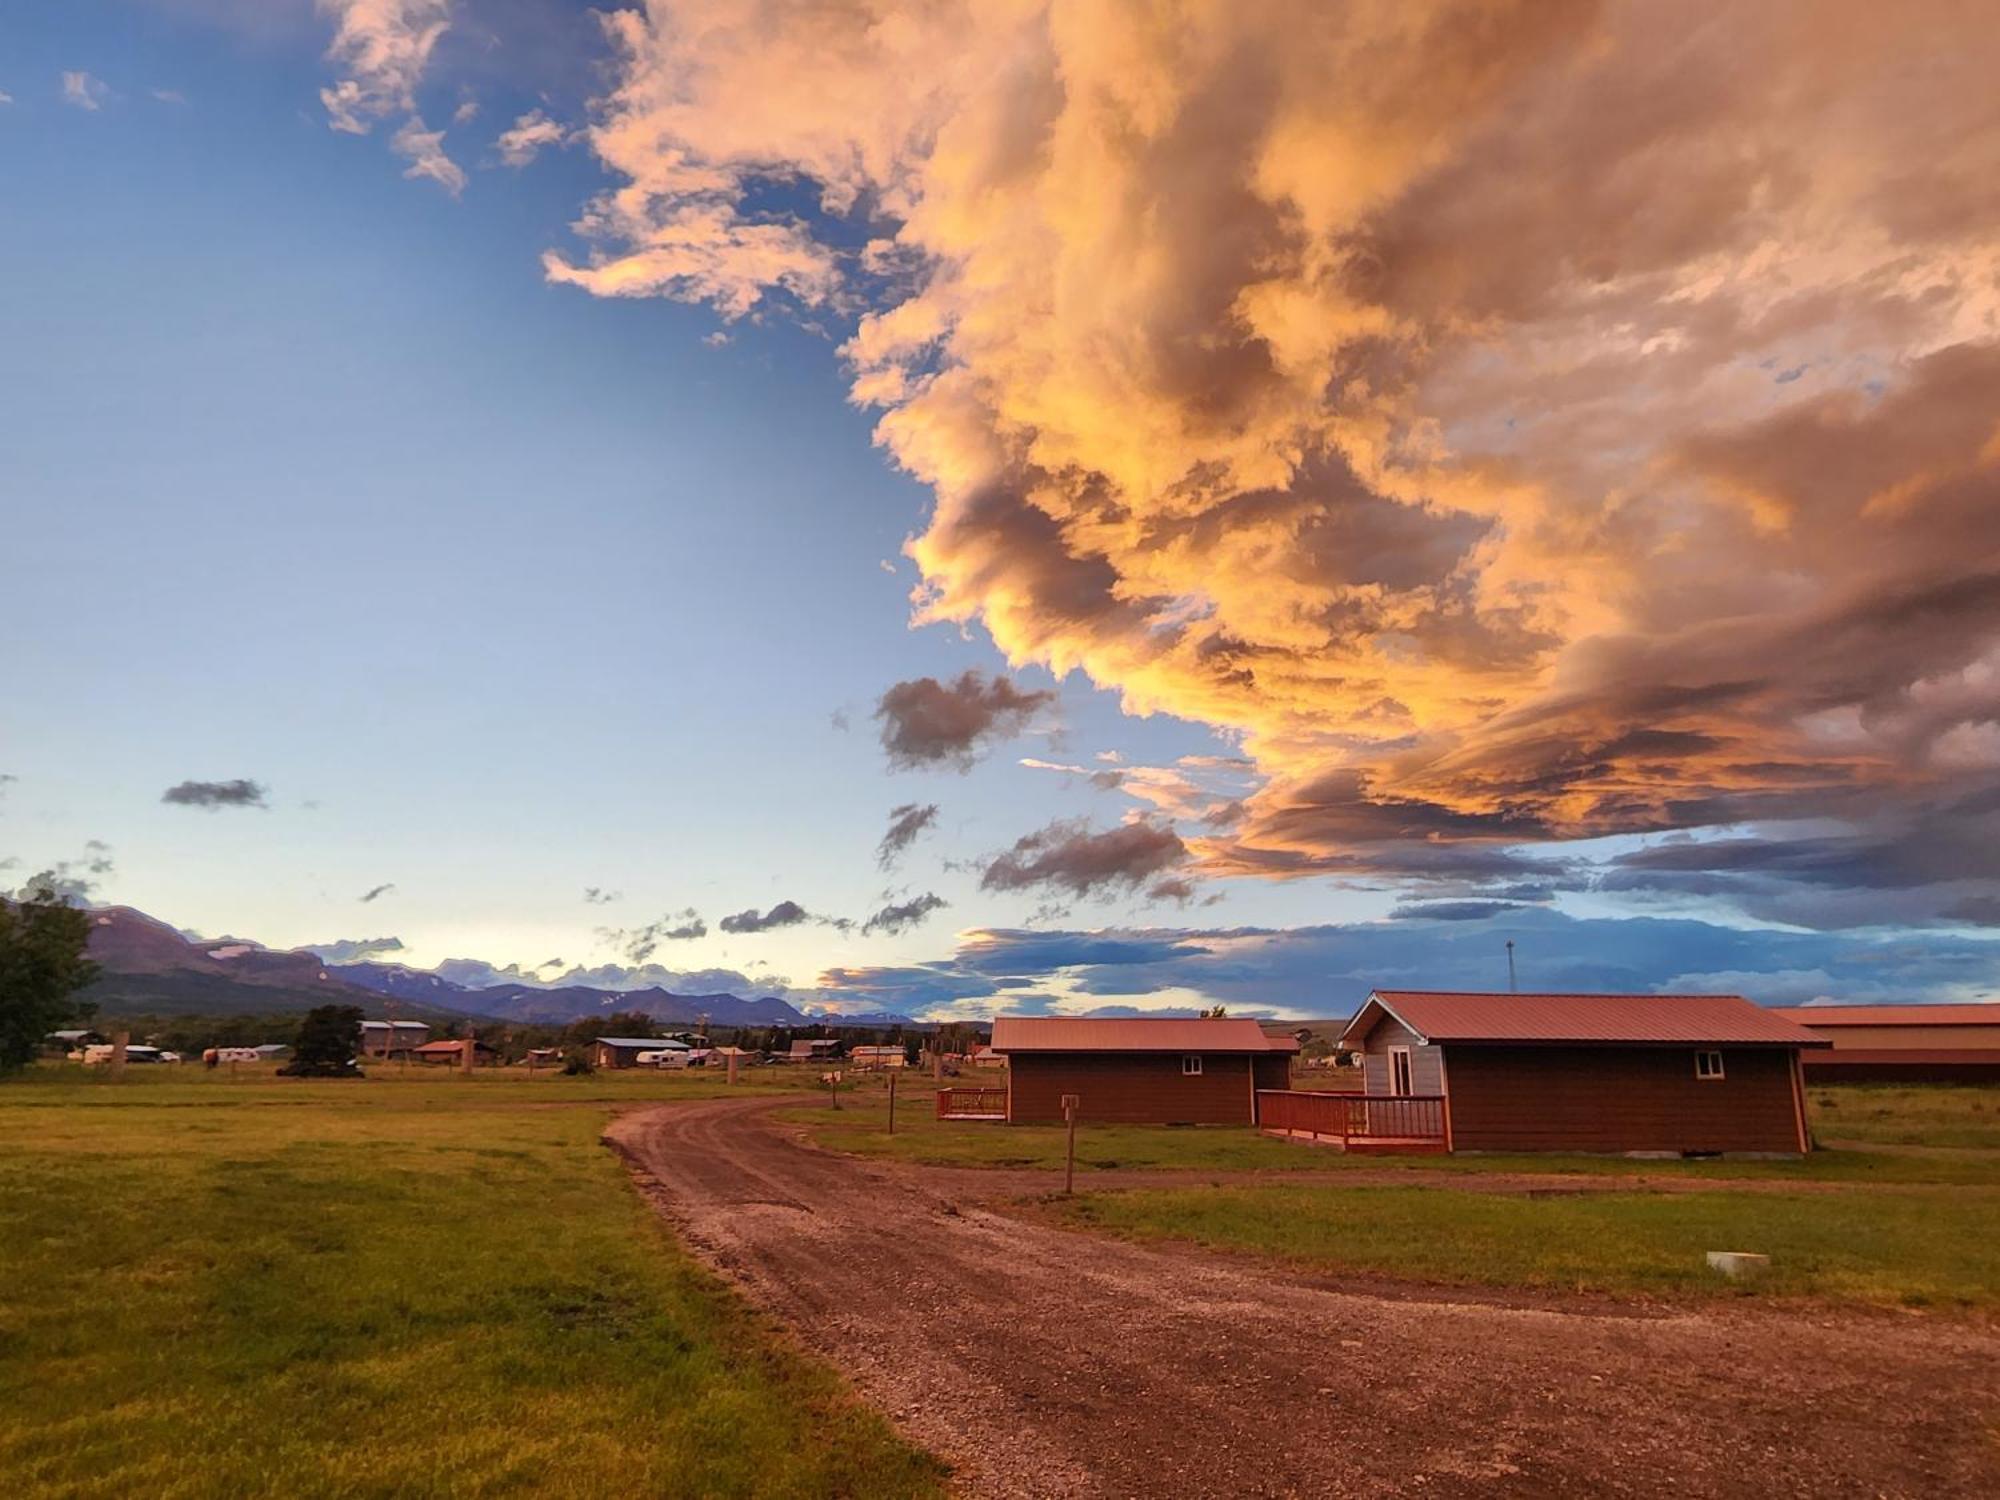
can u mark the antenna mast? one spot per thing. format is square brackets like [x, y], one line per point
[1511, 988]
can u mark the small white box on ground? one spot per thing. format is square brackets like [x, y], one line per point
[1738, 1263]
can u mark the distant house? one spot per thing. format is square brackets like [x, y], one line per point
[1140, 1071]
[452, 1053]
[986, 1057]
[623, 1051]
[872, 1059]
[387, 1038]
[1651, 1074]
[71, 1040]
[813, 1051]
[1901, 1043]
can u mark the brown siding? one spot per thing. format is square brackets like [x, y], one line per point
[1903, 1065]
[1131, 1088]
[1620, 1099]
[1426, 1063]
[1274, 1071]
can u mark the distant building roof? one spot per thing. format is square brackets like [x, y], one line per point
[71, 1035]
[652, 1043]
[399, 1025]
[1612, 1020]
[1890, 1015]
[1137, 1034]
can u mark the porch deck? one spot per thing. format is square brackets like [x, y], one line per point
[972, 1104]
[1355, 1122]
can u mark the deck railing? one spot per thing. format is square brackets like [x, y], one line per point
[1414, 1120]
[972, 1104]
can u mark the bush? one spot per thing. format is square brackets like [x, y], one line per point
[576, 1065]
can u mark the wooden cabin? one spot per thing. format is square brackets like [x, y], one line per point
[1140, 1071]
[1638, 1074]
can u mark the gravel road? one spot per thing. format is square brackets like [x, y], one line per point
[1042, 1362]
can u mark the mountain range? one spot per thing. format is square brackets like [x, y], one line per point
[151, 967]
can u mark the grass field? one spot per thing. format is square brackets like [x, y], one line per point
[1890, 1115]
[1918, 1248]
[860, 1127]
[413, 1284]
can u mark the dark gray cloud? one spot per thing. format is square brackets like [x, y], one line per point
[1068, 855]
[902, 915]
[376, 893]
[1452, 911]
[927, 723]
[784, 914]
[355, 950]
[906, 824]
[215, 795]
[595, 895]
[638, 944]
[74, 880]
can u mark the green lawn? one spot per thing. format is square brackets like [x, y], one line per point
[407, 1285]
[1928, 1247]
[859, 1127]
[1897, 1115]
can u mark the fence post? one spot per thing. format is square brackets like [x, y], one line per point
[1070, 1102]
[892, 1101]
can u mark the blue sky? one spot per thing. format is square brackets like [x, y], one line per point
[505, 589]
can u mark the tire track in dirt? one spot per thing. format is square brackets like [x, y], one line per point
[1042, 1362]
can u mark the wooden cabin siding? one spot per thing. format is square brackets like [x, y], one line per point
[1426, 1063]
[1132, 1088]
[1620, 1099]
[1274, 1070]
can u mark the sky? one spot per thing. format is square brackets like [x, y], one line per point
[1018, 505]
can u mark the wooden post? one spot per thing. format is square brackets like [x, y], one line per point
[1070, 1102]
[120, 1040]
[937, 1060]
[469, 1050]
[892, 1101]
[732, 1063]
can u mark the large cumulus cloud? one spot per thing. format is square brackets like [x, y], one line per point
[1514, 422]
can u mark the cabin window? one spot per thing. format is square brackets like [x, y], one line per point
[1191, 1066]
[1708, 1065]
[1399, 1072]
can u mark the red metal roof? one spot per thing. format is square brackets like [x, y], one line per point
[1137, 1034]
[1890, 1015]
[1614, 1020]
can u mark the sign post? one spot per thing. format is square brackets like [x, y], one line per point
[1071, 1103]
[892, 1101]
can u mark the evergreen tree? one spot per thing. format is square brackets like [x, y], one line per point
[328, 1040]
[42, 943]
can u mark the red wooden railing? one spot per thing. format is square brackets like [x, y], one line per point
[1358, 1119]
[972, 1104]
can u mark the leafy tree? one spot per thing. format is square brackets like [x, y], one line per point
[328, 1039]
[42, 943]
[1218, 1013]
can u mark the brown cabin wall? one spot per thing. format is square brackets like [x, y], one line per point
[1919, 1038]
[1132, 1088]
[1620, 1099]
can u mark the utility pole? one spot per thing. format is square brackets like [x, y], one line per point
[1511, 987]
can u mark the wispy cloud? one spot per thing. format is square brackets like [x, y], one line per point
[1069, 856]
[214, 795]
[424, 149]
[638, 944]
[168, 96]
[382, 47]
[907, 824]
[532, 133]
[900, 916]
[376, 893]
[84, 91]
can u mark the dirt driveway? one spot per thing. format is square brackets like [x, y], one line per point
[1042, 1362]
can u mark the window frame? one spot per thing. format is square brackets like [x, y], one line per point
[1409, 1074]
[1195, 1070]
[1701, 1068]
